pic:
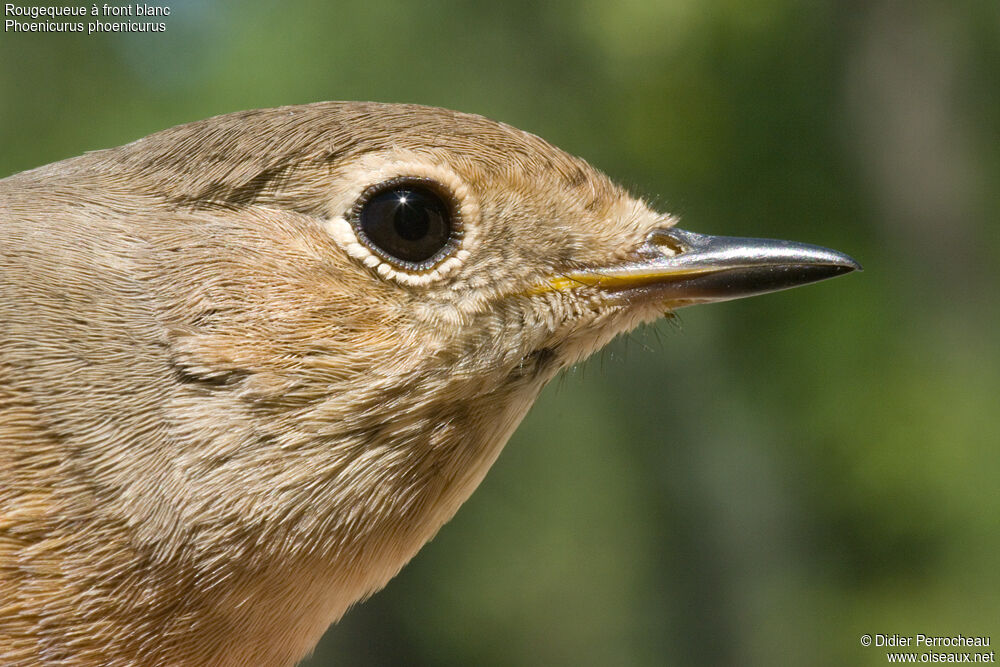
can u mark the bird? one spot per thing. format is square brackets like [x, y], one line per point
[249, 365]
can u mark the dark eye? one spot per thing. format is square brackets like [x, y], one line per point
[407, 223]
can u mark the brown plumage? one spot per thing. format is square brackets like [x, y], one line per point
[225, 416]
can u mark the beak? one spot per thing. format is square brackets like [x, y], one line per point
[680, 268]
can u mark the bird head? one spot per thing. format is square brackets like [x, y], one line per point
[435, 239]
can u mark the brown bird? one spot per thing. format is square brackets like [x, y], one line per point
[249, 365]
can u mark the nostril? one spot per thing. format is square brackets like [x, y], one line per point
[666, 243]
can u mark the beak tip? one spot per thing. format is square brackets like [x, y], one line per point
[848, 263]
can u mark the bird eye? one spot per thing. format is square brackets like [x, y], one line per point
[407, 223]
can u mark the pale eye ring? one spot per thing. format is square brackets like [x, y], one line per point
[411, 223]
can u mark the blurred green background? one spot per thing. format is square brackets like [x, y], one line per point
[759, 483]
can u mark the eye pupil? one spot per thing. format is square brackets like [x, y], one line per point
[411, 223]
[407, 223]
